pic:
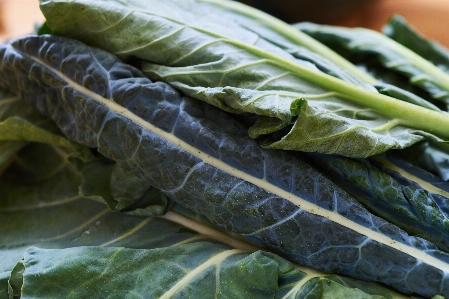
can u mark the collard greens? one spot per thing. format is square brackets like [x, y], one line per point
[201, 158]
[191, 46]
[56, 243]
[110, 138]
[392, 55]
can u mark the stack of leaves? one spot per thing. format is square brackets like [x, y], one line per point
[204, 149]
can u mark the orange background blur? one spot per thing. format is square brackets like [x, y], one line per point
[430, 17]
[17, 17]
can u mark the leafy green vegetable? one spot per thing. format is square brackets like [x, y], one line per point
[404, 95]
[141, 148]
[392, 55]
[236, 69]
[149, 273]
[398, 30]
[418, 210]
[200, 157]
[71, 222]
[283, 35]
[119, 255]
[17, 121]
[299, 45]
[433, 157]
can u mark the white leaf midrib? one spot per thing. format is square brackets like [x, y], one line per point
[262, 183]
[216, 260]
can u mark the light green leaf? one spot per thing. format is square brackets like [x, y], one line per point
[399, 30]
[392, 55]
[288, 38]
[20, 124]
[239, 71]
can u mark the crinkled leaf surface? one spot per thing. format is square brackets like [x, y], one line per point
[421, 210]
[430, 156]
[236, 69]
[200, 157]
[49, 213]
[91, 252]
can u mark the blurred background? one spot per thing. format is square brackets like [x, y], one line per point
[18, 17]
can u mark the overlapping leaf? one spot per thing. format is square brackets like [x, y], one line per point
[306, 48]
[13, 115]
[116, 255]
[392, 55]
[398, 30]
[200, 157]
[231, 67]
[20, 124]
[418, 210]
[295, 42]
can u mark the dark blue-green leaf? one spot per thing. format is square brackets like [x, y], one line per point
[201, 157]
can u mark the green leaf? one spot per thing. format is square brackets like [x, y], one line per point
[94, 253]
[12, 107]
[103, 180]
[401, 32]
[420, 209]
[392, 55]
[201, 158]
[288, 38]
[332, 288]
[239, 71]
[306, 48]
[15, 282]
[43, 29]
[135, 196]
[20, 124]
[284, 36]
[183, 271]
[405, 95]
[430, 156]
[7, 151]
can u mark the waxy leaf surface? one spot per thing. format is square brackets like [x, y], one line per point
[190, 45]
[114, 254]
[201, 158]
